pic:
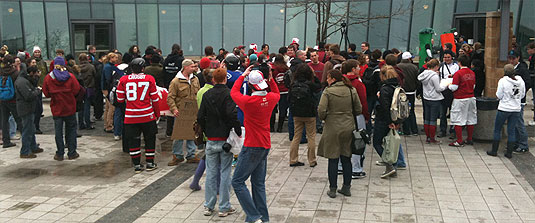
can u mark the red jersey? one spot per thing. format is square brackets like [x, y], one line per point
[317, 68]
[466, 80]
[141, 97]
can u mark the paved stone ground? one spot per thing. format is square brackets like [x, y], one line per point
[441, 184]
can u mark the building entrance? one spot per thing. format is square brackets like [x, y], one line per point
[99, 34]
[472, 27]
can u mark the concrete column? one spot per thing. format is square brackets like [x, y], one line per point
[493, 65]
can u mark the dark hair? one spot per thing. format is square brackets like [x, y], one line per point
[395, 50]
[375, 55]
[464, 60]
[91, 47]
[385, 53]
[366, 44]
[391, 59]
[344, 54]
[251, 51]
[175, 49]
[321, 45]
[82, 57]
[208, 75]
[448, 45]
[131, 50]
[60, 51]
[283, 50]
[348, 65]
[32, 69]
[448, 52]
[264, 45]
[222, 49]
[155, 59]
[432, 63]
[293, 46]
[337, 76]
[264, 68]
[279, 61]
[208, 51]
[335, 49]
[477, 63]
[352, 46]
[303, 71]
[531, 45]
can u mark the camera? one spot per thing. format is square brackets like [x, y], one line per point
[227, 147]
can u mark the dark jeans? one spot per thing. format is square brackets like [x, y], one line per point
[85, 121]
[513, 119]
[70, 134]
[252, 163]
[445, 106]
[283, 108]
[98, 104]
[170, 122]
[372, 100]
[319, 123]
[7, 109]
[431, 112]
[132, 136]
[38, 112]
[28, 135]
[118, 121]
[380, 130]
[291, 129]
[332, 171]
[409, 125]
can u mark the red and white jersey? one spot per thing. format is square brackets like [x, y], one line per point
[139, 93]
[164, 107]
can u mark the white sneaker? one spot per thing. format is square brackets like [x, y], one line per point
[208, 211]
[16, 137]
[531, 123]
[117, 138]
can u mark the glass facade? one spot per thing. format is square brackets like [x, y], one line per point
[227, 23]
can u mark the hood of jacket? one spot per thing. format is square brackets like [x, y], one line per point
[424, 76]
[514, 82]
[84, 67]
[392, 82]
[352, 77]
[61, 76]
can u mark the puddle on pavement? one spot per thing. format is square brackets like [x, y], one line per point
[22, 206]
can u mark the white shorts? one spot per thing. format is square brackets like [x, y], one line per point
[463, 112]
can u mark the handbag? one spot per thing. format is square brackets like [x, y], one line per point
[359, 136]
[199, 134]
[391, 144]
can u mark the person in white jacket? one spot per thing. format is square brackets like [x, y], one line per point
[432, 93]
[511, 90]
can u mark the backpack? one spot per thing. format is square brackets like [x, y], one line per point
[114, 83]
[301, 97]
[7, 90]
[399, 109]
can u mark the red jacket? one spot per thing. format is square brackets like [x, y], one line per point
[257, 113]
[63, 95]
[361, 91]
[278, 74]
[465, 79]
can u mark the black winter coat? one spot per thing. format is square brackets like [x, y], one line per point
[371, 79]
[26, 94]
[522, 71]
[171, 66]
[218, 113]
[308, 109]
[382, 111]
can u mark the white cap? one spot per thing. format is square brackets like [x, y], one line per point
[295, 40]
[35, 48]
[256, 78]
[406, 56]
[253, 46]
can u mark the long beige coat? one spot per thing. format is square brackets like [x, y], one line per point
[179, 90]
[335, 109]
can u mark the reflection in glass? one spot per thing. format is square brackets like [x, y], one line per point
[169, 27]
[125, 26]
[421, 18]
[191, 34]
[34, 30]
[79, 10]
[58, 28]
[232, 26]
[10, 25]
[399, 26]
[378, 33]
[148, 26]
[295, 25]
[275, 27]
[253, 26]
[357, 33]
[212, 31]
[101, 10]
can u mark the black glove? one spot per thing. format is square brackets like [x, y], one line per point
[238, 131]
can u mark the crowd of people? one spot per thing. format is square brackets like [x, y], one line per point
[316, 90]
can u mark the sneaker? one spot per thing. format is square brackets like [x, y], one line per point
[76, 155]
[415, 134]
[38, 132]
[208, 211]
[28, 156]
[116, 138]
[7, 145]
[234, 161]
[314, 164]
[258, 221]
[434, 141]
[401, 167]
[358, 175]
[296, 164]
[138, 168]
[108, 131]
[151, 166]
[227, 213]
[38, 150]
[455, 144]
[175, 161]
[531, 123]
[519, 150]
[380, 163]
[15, 137]
[428, 140]
[388, 173]
[58, 158]
[468, 142]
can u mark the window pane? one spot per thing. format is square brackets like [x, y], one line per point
[515, 5]
[443, 18]
[125, 26]
[312, 27]
[212, 31]
[147, 27]
[378, 34]
[232, 26]
[79, 10]
[58, 28]
[191, 34]
[254, 26]
[465, 6]
[526, 29]
[295, 25]
[421, 18]
[488, 5]
[399, 32]
[10, 26]
[338, 10]
[169, 27]
[34, 30]
[274, 26]
[357, 30]
[102, 11]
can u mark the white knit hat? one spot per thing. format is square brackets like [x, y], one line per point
[35, 48]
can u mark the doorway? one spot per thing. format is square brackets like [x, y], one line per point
[472, 27]
[99, 34]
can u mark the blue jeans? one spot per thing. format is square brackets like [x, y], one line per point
[252, 162]
[521, 132]
[291, 129]
[431, 112]
[70, 134]
[409, 125]
[84, 116]
[179, 153]
[512, 119]
[12, 127]
[38, 112]
[118, 121]
[215, 156]
[28, 135]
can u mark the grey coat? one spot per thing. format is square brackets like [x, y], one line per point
[335, 109]
[26, 95]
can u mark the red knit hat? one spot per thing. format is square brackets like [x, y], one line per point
[204, 63]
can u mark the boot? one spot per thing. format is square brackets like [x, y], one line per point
[494, 151]
[280, 124]
[332, 192]
[175, 161]
[509, 152]
[345, 190]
